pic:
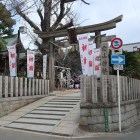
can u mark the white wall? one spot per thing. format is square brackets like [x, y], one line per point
[131, 47]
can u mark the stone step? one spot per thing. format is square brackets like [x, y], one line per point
[66, 99]
[42, 116]
[48, 112]
[31, 127]
[36, 121]
[53, 109]
[71, 101]
[58, 106]
[61, 103]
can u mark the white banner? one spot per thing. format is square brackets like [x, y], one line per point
[90, 58]
[83, 47]
[30, 63]
[12, 60]
[44, 66]
[97, 62]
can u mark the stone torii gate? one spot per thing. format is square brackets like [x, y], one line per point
[97, 28]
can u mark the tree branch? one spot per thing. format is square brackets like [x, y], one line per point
[66, 25]
[85, 2]
[31, 23]
[41, 18]
[61, 15]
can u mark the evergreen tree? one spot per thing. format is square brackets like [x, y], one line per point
[6, 24]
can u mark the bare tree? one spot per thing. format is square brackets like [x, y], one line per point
[51, 14]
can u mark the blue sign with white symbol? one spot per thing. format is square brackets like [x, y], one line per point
[116, 43]
[118, 59]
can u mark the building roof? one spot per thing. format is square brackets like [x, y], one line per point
[13, 40]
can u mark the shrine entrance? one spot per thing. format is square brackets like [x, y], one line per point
[71, 33]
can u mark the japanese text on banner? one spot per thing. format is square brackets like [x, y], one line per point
[12, 60]
[83, 47]
[90, 58]
[30, 63]
[97, 62]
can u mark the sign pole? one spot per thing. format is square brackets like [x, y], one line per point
[119, 106]
[116, 44]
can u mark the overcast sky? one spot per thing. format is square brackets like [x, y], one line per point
[103, 10]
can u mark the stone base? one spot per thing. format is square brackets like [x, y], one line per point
[93, 118]
[8, 105]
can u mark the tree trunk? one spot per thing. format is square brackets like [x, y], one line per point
[51, 67]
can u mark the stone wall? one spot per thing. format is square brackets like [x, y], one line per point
[8, 105]
[16, 92]
[99, 103]
[92, 118]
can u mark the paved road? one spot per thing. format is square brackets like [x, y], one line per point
[10, 134]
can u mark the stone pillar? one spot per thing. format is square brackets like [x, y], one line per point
[123, 88]
[89, 89]
[29, 87]
[104, 88]
[16, 87]
[20, 86]
[113, 88]
[36, 84]
[94, 88]
[120, 88]
[5, 86]
[104, 59]
[137, 88]
[1, 86]
[48, 86]
[11, 86]
[40, 87]
[126, 88]
[43, 86]
[25, 86]
[132, 86]
[33, 87]
[130, 90]
[83, 88]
